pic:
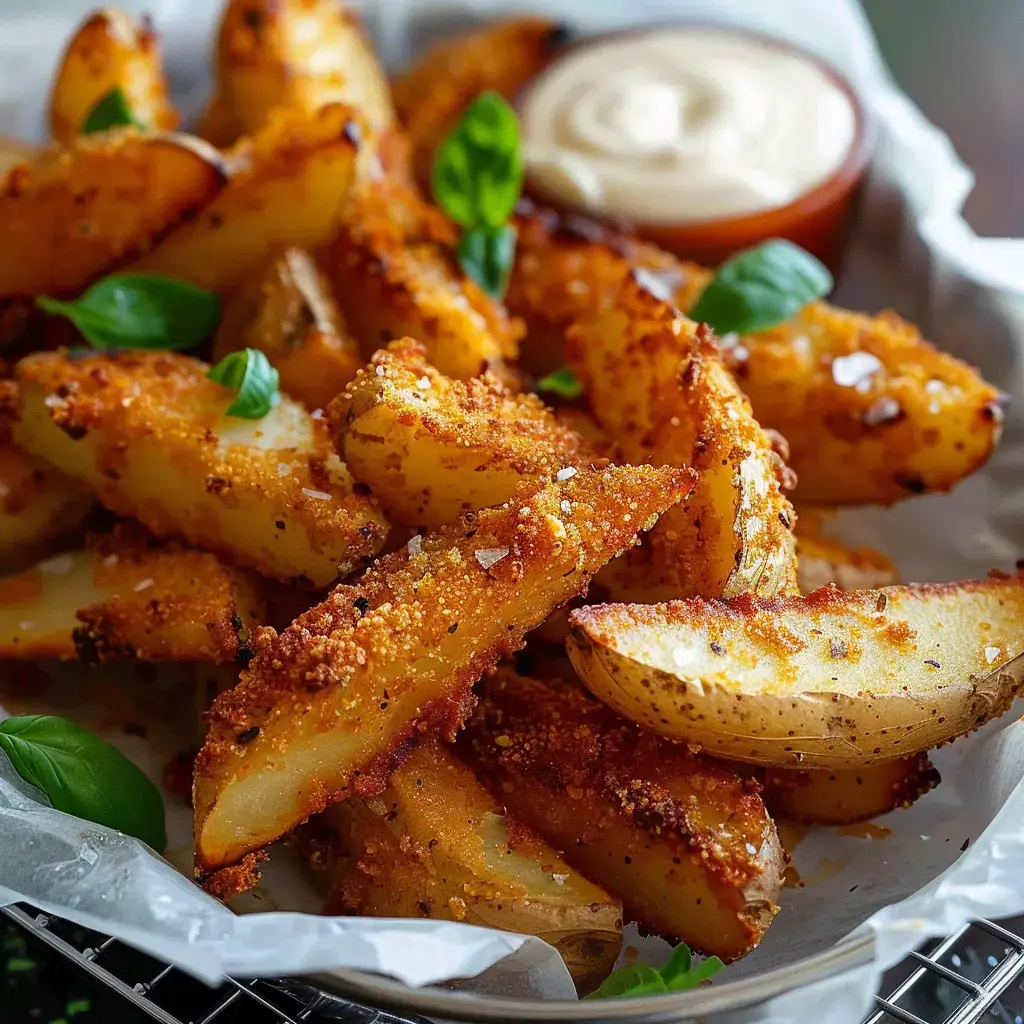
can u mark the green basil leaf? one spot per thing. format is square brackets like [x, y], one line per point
[693, 977]
[486, 255]
[677, 975]
[111, 111]
[678, 964]
[562, 382]
[636, 980]
[83, 776]
[761, 287]
[250, 374]
[140, 311]
[478, 170]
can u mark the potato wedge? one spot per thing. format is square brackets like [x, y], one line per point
[149, 432]
[294, 183]
[832, 680]
[126, 596]
[326, 707]
[657, 384]
[297, 54]
[821, 560]
[111, 50]
[288, 313]
[435, 91]
[435, 844]
[848, 796]
[69, 215]
[432, 448]
[685, 842]
[393, 273]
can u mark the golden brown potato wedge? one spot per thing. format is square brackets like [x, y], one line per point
[684, 841]
[393, 274]
[325, 707]
[297, 54]
[848, 796]
[435, 844]
[111, 50]
[833, 680]
[503, 56]
[288, 312]
[657, 384]
[150, 433]
[821, 560]
[69, 215]
[293, 184]
[432, 448]
[126, 596]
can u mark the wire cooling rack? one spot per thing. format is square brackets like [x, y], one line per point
[973, 976]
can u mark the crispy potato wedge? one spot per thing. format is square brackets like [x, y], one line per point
[657, 384]
[12, 152]
[435, 91]
[288, 312]
[110, 50]
[432, 448]
[325, 707]
[69, 215]
[126, 596]
[436, 844]
[684, 841]
[295, 180]
[831, 680]
[845, 797]
[149, 432]
[393, 274]
[297, 54]
[821, 560]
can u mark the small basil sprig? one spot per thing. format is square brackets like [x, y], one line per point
[563, 383]
[761, 287]
[677, 975]
[110, 111]
[477, 180]
[140, 311]
[249, 373]
[84, 776]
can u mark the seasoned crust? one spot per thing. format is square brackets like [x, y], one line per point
[626, 807]
[150, 433]
[325, 707]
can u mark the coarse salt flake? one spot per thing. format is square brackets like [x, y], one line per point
[423, 383]
[565, 474]
[321, 495]
[489, 556]
[380, 371]
[560, 879]
[111, 560]
[855, 369]
[57, 566]
[26, 626]
[565, 505]
[142, 585]
[991, 653]
[415, 545]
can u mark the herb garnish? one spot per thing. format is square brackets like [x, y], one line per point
[250, 374]
[563, 383]
[477, 180]
[761, 287]
[677, 975]
[110, 111]
[82, 775]
[140, 311]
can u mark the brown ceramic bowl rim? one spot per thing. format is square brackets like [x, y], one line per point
[842, 181]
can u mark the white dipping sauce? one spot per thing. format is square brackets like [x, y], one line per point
[681, 125]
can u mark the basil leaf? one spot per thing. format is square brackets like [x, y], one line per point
[691, 978]
[250, 374]
[677, 975]
[562, 382]
[761, 287]
[679, 963]
[140, 311]
[83, 776]
[486, 255]
[110, 111]
[478, 170]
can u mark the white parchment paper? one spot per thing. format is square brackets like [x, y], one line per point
[953, 856]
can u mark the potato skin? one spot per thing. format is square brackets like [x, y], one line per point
[656, 383]
[128, 596]
[149, 432]
[288, 312]
[684, 841]
[110, 50]
[326, 707]
[433, 93]
[432, 448]
[289, 187]
[394, 275]
[69, 215]
[834, 680]
[435, 844]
